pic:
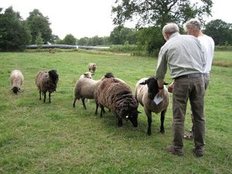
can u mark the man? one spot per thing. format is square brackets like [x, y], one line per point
[193, 27]
[183, 55]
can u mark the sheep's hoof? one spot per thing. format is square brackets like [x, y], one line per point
[149, 133]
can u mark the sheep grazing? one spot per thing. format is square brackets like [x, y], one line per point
[85, 88]
[145, 91]
[16, 80]
[46, 82]
[117, 97]
[86, 75]
[92, 67]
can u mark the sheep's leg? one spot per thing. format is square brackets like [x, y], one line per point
[162, 117]
[102, 110]
[96, 108]
[39, 94]
[49, 97]
[149, 121]
[83, 102]
[120, 122]
[44, 96]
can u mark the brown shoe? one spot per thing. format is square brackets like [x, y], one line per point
[198, 152]
[175, 151]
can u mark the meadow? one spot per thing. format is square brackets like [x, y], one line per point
[37, 137]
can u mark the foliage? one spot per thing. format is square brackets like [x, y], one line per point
[69, 39]
[93, 41]
[220, 31]
[121, 35]
[38, 137]
[159, 12]
[14, 35]
[150, 39]
[37, 23]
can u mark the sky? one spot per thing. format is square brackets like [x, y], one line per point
[89, 18]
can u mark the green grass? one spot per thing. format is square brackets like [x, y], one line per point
[56, 138]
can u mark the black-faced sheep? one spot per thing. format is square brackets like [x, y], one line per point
[117, 97]
[92, 67]
[16, 80]
[46, 82]
[85, 88]
[145, 91]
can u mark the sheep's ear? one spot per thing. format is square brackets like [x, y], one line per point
[165, 83]
[143, 83]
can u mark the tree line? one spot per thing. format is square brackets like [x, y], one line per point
[150, 15]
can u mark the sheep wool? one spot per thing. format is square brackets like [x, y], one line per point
[46, 81]
[145, 91]
[16, 80]
[117, 97]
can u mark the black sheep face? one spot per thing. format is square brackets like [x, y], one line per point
[54, 76]
[130, 114]
[15, 89]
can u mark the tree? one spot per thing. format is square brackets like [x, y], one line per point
[220, 31]
[14, 35]
[121, 35]
[37, 23]
[159, 12]
[69, 39]
[150, 39]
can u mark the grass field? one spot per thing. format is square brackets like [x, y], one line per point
[56, 138]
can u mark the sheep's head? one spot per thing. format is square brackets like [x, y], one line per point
[129, 112]
[15, 89]
[88, 75]
[109, 75]
[54, 76]
[152, 85]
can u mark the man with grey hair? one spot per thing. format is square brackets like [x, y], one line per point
[183, 55]
[193, 27]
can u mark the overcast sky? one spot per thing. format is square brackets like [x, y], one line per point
[88, 17]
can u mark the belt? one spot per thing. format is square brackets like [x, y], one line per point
[195, 75]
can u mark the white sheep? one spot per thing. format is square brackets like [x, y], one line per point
[46, 82]
[145, 91]
[85, 88]
[92, 67]
[16, 80]
[86, 75]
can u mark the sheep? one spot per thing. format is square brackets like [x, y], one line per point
[46, 81]
[16, 80]
[145, 91]
[92, 67]
[117, 97]
[85, 88]
[86, 75]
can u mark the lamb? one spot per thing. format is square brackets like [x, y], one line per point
[145, 91]
[16, 80]
[85, 88]
[117, 97]
[86, 75]
[46, 81]
[92, 67]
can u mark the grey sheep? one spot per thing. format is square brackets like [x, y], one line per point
[16, 80]
[145, 92]
[46, 81]
[85, 88]
[117, 96]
